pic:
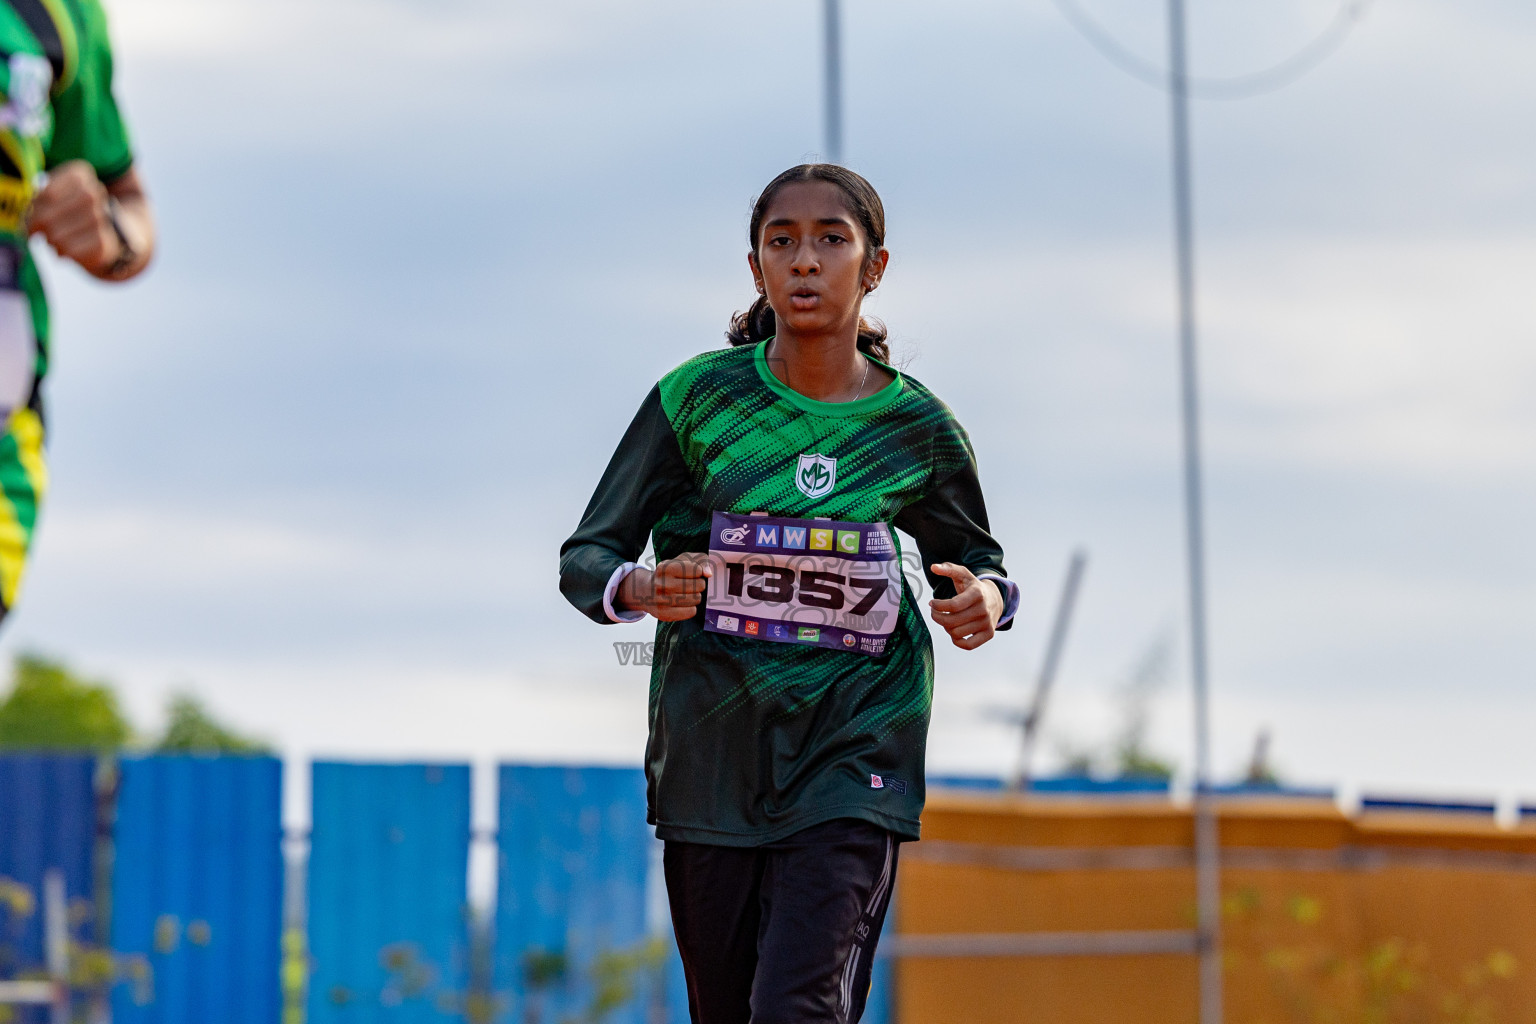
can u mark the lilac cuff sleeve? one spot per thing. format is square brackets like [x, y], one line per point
[613, 588]
[1010, 591]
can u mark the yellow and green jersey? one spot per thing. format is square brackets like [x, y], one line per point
[56, 90]
[752, 740]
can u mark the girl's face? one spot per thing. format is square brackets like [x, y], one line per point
[812, 260]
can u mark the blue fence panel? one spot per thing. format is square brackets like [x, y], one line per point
[47, 821]
[1264, 789]
[577, 876]
[388, 893]
[197, 889]
[982, 782]
[1432, 806]
[1081, 785]
[1059, 785]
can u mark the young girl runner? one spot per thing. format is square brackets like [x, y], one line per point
[793, 673]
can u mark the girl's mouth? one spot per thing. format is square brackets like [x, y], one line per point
[803, 298]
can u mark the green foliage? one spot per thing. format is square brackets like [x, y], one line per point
[294, 974]
[543, 969]
[192, 730]
[1391, 981]
[16, 899]
[616, 975]
[49, 707]
[410, 977]
[1137, 763]
[92, 969]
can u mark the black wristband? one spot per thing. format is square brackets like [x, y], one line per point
[127, 257]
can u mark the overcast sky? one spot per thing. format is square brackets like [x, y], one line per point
[420, 262]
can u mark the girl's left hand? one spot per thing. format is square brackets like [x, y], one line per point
[970, 617]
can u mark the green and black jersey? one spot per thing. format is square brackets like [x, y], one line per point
[751, 741]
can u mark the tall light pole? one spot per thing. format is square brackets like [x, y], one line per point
[1207, 837]
[1176, 80]
[833, 75]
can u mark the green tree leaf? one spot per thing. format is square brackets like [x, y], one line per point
[191, 729]
[51, 708]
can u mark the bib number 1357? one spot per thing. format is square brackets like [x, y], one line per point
[777, 584]
[805, 581]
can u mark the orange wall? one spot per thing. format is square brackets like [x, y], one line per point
[1444, 931]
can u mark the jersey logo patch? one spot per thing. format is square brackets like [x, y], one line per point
[816, 475]
[26, 107]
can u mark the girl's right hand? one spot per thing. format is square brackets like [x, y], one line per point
[671, 592]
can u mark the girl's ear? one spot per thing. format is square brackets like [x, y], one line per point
[757, 274]
[875, 269]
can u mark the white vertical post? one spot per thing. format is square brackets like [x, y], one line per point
[56, 942]
[1207, 837]
[833, 72]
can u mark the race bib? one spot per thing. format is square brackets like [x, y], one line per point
[815, 582]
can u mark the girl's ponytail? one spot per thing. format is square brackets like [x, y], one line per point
[872, 339]
[755, 325]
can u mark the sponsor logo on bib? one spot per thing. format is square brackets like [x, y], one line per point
[734, 535]
[815, 475]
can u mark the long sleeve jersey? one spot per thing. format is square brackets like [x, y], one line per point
[751, 741]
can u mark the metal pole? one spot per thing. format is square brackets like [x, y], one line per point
[834, 82]
[1047, 676]
[56, 942]
[1207, 839]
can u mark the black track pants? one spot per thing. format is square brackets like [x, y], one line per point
[783, 933]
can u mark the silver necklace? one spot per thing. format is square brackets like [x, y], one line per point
[863, 381]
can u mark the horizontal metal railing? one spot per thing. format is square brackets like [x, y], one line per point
[1015, 944]
[1162, 858]
[40, 993]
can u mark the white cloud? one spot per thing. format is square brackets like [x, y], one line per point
[157, 550]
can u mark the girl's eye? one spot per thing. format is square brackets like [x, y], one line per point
[779, 240]
[835, 239]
